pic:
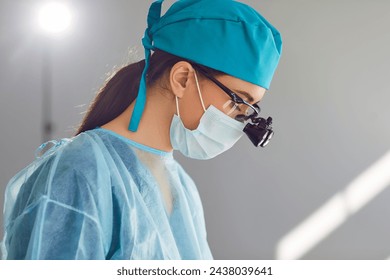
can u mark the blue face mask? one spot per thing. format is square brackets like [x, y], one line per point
[215, 134]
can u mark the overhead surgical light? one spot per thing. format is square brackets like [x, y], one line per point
[55, 17]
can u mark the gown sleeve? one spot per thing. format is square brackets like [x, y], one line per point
[51, 230]
[54, 214]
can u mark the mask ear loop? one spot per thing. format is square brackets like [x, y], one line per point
[177, 107]
[200, 96]
[200, 93]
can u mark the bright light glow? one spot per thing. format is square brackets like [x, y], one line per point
[55, 17]
[335, 211]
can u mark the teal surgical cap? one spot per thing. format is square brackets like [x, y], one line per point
[221, 34]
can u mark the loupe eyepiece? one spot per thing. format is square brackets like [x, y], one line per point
[260, 131]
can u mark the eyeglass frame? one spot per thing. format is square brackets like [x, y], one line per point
[233, 96]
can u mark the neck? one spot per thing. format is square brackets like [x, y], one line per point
[154, 127]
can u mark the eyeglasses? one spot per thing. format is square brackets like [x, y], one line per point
[237, 107]
[258, 130]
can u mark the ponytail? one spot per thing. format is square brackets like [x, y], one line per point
[121, 89]
[114, 97]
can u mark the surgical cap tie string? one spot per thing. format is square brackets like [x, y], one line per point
[147, 41]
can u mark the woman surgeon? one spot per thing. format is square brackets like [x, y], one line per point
[114, 190]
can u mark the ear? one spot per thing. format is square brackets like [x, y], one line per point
[179, 78]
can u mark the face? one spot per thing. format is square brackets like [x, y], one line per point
[214, 95]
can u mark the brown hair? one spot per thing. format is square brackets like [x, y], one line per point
[121, 89]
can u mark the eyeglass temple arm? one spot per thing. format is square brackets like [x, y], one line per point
[231, 94]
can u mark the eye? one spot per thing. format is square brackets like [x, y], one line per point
[230, 107]
[239, 108]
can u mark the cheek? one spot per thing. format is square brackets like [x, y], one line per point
[215, 98]
[191, 110]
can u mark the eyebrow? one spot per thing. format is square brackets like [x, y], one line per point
[225, 88]
[247, 95]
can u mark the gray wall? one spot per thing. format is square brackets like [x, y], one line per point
[329, 99]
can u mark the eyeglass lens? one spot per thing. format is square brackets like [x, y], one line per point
[240, 112]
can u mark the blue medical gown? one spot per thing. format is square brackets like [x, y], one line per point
[102, 196]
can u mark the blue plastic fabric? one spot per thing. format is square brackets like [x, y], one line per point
[102, 196]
